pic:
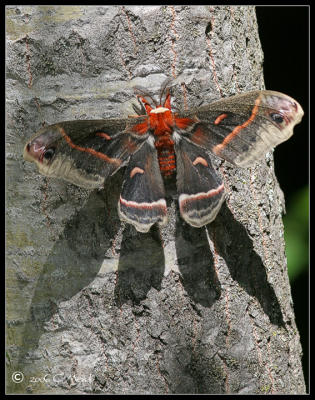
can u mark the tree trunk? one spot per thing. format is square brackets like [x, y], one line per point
[95, 307]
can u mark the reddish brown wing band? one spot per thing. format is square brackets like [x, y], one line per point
[242, 129]
[84, 153]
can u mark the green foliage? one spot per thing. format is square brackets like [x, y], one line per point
[296, 233]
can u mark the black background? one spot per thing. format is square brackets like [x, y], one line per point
[284, 35]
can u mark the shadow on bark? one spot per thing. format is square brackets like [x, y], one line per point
[79, 257]
[141, 265]
[73, 262]
[245, 265]
[195, 263]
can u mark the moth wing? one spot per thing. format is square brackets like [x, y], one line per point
[84, 152]
[200, 189]
[142, 201]
[242, 128]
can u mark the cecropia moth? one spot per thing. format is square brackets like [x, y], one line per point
[158, 143]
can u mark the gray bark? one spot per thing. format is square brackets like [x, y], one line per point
[95, 307]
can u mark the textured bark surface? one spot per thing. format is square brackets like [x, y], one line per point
[92, 305]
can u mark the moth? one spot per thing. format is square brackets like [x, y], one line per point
[158, 143]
